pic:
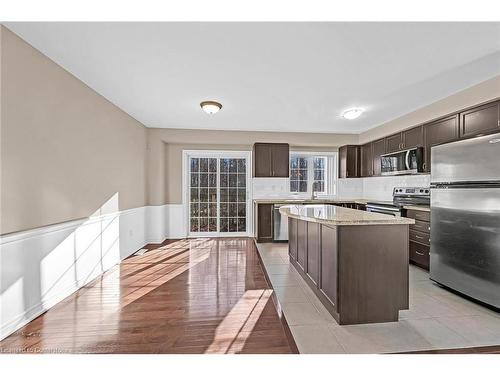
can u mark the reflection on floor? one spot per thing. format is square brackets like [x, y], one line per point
[437, 318]
[186, 296]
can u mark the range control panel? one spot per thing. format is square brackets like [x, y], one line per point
[411, 191]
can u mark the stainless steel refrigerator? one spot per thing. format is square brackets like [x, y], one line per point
[465, 217]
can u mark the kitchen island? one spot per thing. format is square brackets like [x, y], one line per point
[356, 262]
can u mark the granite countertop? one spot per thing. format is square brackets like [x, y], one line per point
[333, 215]
[310, 201]
[418, 208]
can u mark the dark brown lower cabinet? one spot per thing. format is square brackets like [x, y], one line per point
[419, 255]
[265, 222]
[358, 272]
[420, 238]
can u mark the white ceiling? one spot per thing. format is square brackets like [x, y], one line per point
[271, 76]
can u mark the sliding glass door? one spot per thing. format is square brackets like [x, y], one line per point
[218, 192]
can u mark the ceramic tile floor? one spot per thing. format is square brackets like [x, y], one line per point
[437, 318]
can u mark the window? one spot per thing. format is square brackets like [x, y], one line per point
[319, 171]
[312, 172]
[298, 174]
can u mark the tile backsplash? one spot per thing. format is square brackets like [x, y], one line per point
[264, 188]
[348, 188]
[376, 188]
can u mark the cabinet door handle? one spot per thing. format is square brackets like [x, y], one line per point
[419, 236]
[419, 253]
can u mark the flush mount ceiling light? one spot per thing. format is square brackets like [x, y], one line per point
[210, 106]
[352, 113]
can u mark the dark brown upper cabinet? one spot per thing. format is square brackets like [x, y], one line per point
[410, 138]
[271, 160]
[413, 137]
[349, 161]
[439, 132]
[378, 150]
[394, 142]
[280, 157]
[366, 160]
[481, 120]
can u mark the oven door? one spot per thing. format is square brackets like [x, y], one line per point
[394, 211]
[402, 162]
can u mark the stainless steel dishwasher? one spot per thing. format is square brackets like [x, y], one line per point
[280, 224]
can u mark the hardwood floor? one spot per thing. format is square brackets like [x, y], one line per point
[185, 296]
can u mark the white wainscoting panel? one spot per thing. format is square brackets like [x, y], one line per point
[41, 267]
[176, 221]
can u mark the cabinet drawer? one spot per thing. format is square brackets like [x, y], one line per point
[419, 254]
[420, 237]
[421, 226]
[419, 215]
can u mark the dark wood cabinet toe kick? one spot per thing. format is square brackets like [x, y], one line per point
[358, 272]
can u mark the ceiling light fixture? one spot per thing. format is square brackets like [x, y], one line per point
[211, 107]
[352, 113]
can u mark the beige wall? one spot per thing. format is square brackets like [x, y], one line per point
[165, 152]
[480, 93]
[65, 150]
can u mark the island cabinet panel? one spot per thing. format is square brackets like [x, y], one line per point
[302, 243]
[313, 251]
[292, 238]
[481, 120]
[329, 264]
[373, 273]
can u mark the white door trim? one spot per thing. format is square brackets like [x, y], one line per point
[218, 154]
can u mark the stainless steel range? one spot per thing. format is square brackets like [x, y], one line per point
[401, 196]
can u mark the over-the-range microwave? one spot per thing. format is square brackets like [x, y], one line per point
[403, 162]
